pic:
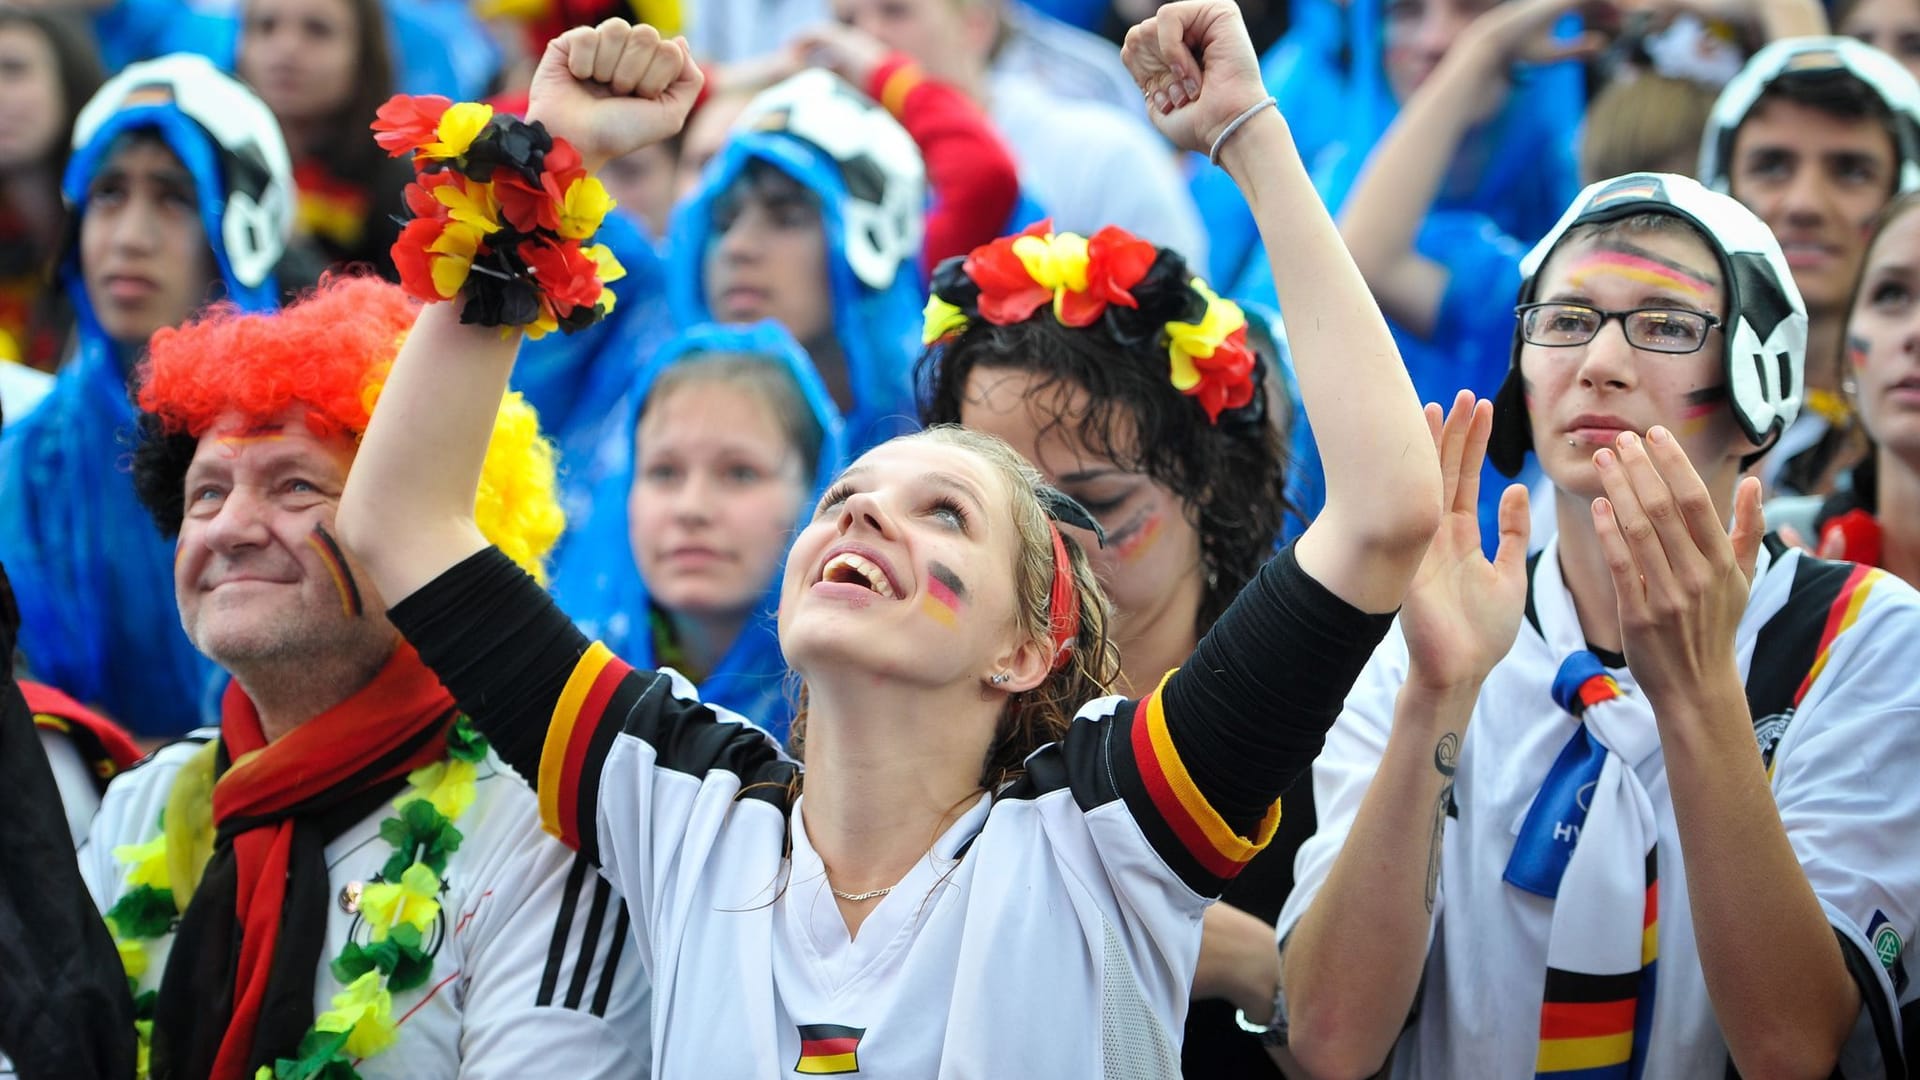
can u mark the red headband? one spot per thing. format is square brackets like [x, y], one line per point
[1063, 604]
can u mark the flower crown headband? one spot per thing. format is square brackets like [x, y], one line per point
[1006, 281]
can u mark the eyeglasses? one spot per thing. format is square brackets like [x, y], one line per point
[1666, 330]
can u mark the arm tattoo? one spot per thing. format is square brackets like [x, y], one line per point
[1446, 759]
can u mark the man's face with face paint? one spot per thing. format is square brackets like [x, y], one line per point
[1580, 397]
[257, 574]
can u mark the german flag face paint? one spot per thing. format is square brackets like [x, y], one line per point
[946, 595]
[1643, 268]
[335, 560]
[1701, 407]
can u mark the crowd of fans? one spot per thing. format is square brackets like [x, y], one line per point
[900, 538]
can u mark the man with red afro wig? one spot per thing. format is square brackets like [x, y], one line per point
[343, 871]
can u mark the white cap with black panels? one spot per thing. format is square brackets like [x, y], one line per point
[1880, 73]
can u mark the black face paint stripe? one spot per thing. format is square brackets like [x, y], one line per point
[1708, 395]
[947, 577]
[1637, 251]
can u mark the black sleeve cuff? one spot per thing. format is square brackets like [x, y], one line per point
[1250, 710]
[500, 645]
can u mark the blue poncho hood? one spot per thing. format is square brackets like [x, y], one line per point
[92, 574]
[878, 329]
[597, 580]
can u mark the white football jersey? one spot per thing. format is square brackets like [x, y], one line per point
[1051, 932]
[535, 971]
[1841, 761]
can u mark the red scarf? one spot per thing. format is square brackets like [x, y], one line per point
[393, 725]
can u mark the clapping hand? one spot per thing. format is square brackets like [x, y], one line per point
[1461, 612]
[614, 88]
[1680, 577]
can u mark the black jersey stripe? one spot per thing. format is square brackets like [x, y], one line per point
[622, 927]
[589, 943]
[562, 930]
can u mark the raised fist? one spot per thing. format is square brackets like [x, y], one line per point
[1196, 66]
[614, 88]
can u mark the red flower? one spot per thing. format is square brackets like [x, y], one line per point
[419, 194]
[564, 272]
[1226, 377]
[1008, 293]
[524, 206]
[1116, 261]
[411, 259]
[563, 166]
[405, 122]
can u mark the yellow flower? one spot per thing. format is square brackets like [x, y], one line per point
[609, 270]
[133, 957]
[264, 1072]
[1185, 341]
[471, 205]
[364, 1010]
[939, 319]
[143, 1035]
[1055, 262]
[459, 126]
[583, 207]
[149, 862]
[458, 244]
[448, 785]
[387, 905]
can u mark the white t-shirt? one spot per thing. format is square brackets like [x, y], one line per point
[1842, 778]
[1062, 945]
[1091, 165]
[1071, 62]
[534, 967]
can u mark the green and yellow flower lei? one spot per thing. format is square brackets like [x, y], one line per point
[399, 907]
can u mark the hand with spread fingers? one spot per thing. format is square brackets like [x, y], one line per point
[1462, 611]
[1196, 65]
[614, 88]
[1680, 576]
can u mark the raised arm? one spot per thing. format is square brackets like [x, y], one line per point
[1383, 479]
[1352, 963]
[407, 512]
[1404, 173]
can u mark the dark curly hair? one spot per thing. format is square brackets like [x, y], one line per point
[1231, 476]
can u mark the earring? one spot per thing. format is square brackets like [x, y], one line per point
[1000, 678]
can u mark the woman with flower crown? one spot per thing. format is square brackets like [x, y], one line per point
[1144, 397]
[972, 794]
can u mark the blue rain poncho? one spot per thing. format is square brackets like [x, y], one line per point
[597, 579]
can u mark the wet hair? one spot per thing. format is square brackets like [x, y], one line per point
[1839, 94]
[1642, 124]
[346, 146]
[78, 71]
[1039, 716]
[1230, 476]
[328, 353]
[765, 379]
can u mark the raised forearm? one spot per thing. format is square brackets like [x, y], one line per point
[1785, 1009]
[1352, 965]
[1401, 180]
[1791, 18]
[1382, 472]
[407, 513]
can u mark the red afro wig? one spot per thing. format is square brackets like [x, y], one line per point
[323, 352]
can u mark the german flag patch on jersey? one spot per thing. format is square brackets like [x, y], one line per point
[828, 1049]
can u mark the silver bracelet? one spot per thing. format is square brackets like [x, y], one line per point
[1213, 155]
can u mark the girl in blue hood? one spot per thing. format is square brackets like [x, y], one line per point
[92, 576]
[731, 439]
[812, 215]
